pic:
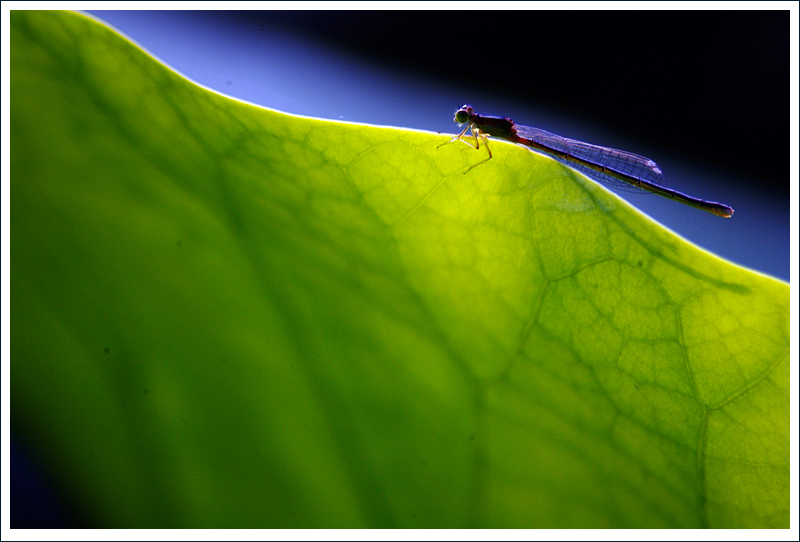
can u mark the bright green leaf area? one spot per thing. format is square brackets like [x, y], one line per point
[225, 316]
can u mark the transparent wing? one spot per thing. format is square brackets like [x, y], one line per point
[627, 163]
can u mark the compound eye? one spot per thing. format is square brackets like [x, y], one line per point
[462, 116]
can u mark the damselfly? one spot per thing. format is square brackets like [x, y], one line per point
[609, 166]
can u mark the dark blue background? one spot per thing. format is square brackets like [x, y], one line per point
[704, 93]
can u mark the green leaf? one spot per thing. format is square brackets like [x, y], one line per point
[225, 316]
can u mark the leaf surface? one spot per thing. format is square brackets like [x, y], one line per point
[225, 316]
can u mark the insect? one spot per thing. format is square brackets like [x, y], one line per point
[609, 166]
